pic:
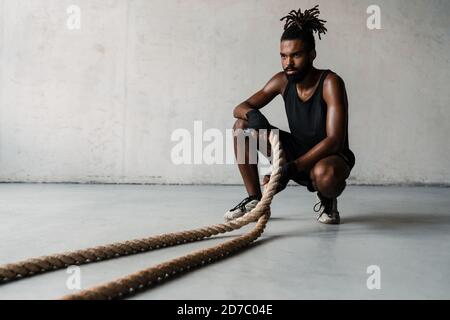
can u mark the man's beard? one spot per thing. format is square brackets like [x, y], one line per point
[299, 75]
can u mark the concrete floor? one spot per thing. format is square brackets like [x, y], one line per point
[403, 230]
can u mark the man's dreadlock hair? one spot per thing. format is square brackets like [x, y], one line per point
[301, 26]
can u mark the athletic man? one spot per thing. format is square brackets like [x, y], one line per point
[316, 149]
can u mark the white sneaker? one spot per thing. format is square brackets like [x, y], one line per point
[242, 208]
[328, 213]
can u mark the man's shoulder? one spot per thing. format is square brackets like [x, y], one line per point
[333, 86]
[279, 80]
[279, 77]
[332, 79]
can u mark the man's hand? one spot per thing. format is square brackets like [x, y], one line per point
[256, 120]
[288, 171]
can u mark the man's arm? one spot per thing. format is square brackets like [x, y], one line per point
[335, 96]
[260, 98]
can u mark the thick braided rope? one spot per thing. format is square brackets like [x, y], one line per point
[145, 278]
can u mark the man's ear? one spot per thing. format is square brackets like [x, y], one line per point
[312, 54]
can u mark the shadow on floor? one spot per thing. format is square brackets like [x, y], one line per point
[398, 219]
[374, 221]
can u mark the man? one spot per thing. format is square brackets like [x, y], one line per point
[316, 150]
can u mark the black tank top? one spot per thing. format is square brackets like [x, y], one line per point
[307, 120]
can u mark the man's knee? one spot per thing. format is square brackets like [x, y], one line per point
[323, 172]
[327, 180]
[240, 124]
[254, 141]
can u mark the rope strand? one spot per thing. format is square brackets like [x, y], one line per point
[140, 280]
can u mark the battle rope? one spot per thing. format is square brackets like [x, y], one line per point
[145, 278]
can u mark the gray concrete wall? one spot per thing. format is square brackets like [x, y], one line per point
[100, 103]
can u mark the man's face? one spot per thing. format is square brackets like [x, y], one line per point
[295, 59]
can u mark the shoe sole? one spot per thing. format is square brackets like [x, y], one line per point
[330, 222]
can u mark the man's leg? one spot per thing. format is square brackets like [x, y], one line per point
[246, 155]
[328, 178]
[329, 174]
[249, 171]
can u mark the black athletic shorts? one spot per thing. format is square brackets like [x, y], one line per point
[293, 148]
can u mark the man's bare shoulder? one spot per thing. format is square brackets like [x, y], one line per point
[333, 80]
[334, 91]
[278, 82]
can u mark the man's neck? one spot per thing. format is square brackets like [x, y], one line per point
[310, 79]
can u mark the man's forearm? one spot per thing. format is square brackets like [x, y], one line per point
[324, 148]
